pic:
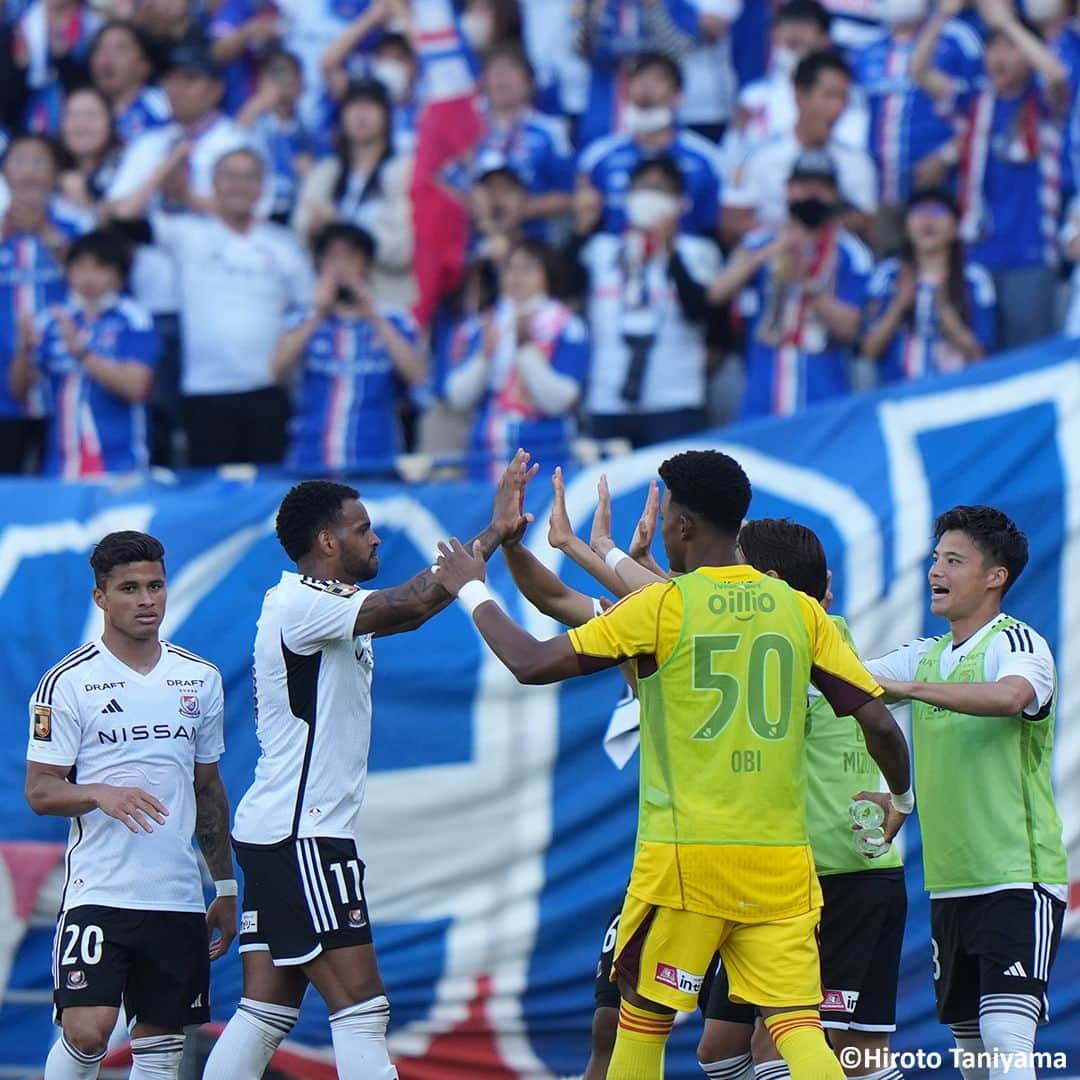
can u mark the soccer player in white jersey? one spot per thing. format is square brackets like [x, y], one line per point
[983, 703]
[305, 918]
[125, 736]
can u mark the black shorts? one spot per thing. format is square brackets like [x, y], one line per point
[861, 937]
[998, 943]
[301, 897]
[720, 1007]
[606, 992]
[157, 963]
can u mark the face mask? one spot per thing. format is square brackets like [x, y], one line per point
[813, 213]
[647, 121]
[529, 306]
[646, 209]
[902, 11]
[478, 29]
[394, 76]
[1042, 10]
[784, 61]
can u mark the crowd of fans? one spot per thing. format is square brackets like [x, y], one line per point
[325, 232]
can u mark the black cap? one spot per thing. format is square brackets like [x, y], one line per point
[940, 196]
[191, 56]
[814, 165]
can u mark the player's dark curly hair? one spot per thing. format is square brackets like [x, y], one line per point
[121, 548]
[306, 510]
[792, 551]
[995, 534]
[711, 484]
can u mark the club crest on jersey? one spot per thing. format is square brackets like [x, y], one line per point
[76, 980]
[43, 723]
[357, 918]
[189, 704]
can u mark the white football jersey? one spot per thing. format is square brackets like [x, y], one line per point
[114, 726]
[312, 714]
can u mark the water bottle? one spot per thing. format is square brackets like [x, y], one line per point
[869, 837]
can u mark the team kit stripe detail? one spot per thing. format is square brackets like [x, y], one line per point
[321, 882]
[779, 1028]
[47, 685]
[1024, 1005]
[315, 901]
[79, 1056]
[67, 859]
[1044, 935]
[184, 654]
[270, 1019]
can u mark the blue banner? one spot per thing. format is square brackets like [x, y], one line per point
[497, 834]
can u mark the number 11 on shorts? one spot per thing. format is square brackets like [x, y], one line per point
[338, 870]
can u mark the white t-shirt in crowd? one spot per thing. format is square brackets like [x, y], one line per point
[710, 81]
[236, 291]
[312, 714]
[675, 376]
[116, 726]
[760, 182]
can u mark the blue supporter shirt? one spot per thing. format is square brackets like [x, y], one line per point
[283, 141]
[791, 361]
[919, 348]
[148, 111]
[31, 279]
[506, 417]
[608, 163]
[241, 73]
[346, 417]
[905, 123]
[536, 148]
[92, 431]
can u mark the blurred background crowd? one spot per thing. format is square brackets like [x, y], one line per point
[404, 237]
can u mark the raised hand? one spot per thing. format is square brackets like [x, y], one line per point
[645, 531]
[600, 536]
[456, 566]
[132, 806]
[560, 531]
[508, 517]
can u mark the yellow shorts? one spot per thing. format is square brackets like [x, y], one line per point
[664, 955]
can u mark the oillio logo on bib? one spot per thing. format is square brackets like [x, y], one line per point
[678, 979]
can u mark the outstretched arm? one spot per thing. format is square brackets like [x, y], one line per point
[407, 606]
[546, 591]
[1009, 696]
[631, 574]
[212, 833]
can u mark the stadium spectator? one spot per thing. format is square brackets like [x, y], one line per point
[51, 45]
[490, 24]
[611, 35]
[91, 148]
[525, 367]
[354, 357]
[912, 134]
[367, 184]
[1056, 27]
[803, 287]
[121, 66]
[239, 278]
[36, 228]
[1070, 246]
[649, 315]
[169, 23]
[271, 115]
[708, 70]
[766, 106]
[95, 353]
[652, 129]
[562, 76]
[1010, 165]
[499, 201]
[756, 195]
[855, 23]
[534, 145]
[242, 34]
[931, 310]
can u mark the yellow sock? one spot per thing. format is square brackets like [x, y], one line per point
[639, 1044]
[801, 1042]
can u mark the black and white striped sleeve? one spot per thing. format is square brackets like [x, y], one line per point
[55, 725]
[1019, 650]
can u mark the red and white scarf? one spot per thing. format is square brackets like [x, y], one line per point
[546, 326]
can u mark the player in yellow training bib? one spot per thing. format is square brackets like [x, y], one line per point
[723, 656]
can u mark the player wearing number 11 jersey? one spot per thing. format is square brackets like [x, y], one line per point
[723, 655]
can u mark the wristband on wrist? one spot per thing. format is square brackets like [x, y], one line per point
[614, 557]
[472, 594]
[226, 887]
[902, 804]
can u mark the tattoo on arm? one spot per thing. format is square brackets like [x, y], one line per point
[212, 827]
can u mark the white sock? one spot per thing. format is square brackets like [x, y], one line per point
[359, 1034]
[772, 1070]
[249, 1040]
[740, 1067]
[1007, 1023]
[156, 1057]
[66, 1063]
[969, 1041]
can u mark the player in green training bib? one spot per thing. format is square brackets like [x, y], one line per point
[983, 727]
